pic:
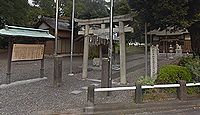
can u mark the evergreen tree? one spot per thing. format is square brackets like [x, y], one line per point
[14, 11]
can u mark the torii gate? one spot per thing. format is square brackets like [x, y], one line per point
[103, 21]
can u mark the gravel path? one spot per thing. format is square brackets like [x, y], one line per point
[32, 98]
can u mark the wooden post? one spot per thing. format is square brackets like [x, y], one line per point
[100, 55]
[10, 48]
[85, 53]
[182, 90]
[42, 63]
[122, 53]
[42, 68]
[138, 93]
[146, 52]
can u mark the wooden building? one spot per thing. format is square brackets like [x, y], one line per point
[168, 37]
[64, 36]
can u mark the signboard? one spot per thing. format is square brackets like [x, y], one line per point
[25, 52]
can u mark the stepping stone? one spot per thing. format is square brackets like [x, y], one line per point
[95, 84]
[76, 92]
[85, 88]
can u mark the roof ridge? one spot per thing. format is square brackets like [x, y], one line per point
[25, 28]
[61, 20]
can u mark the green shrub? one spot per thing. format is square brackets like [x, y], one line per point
[193, 65]
[146, 80]
[173, 73]
[184, 60]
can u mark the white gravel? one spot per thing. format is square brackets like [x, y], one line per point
[41, 97]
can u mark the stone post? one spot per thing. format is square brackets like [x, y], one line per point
[90, 95]
[105, 75]
[182, 90]
[57, 80]
[153, 60]
[138, 93]
[122, 53]
[85, 52]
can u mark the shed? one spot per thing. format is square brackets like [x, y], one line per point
[64, 36]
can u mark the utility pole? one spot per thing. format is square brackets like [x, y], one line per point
[146, 56]
[111, 43]
[72, 40]
[56, 31]
[57, 79]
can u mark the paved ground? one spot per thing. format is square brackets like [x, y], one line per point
[28, 99]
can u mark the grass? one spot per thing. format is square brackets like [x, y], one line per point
[130, 50]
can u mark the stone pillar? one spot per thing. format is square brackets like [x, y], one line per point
[85, 52]
[103, 26]
[105, 75]
[90, 95]
[57, 80]
[182, 90]
[138, 93]
[153, 60]
[122, 53]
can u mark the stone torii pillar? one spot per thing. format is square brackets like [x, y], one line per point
[103, 26]
[85, 52]
[122, 53]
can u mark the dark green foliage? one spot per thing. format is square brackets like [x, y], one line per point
[173, 73]
[14, 11]
[86, 9]
[171, 13]
[121, 7]
[193, 65]
[3, 43]
[160, 13]
[2, 22]
[47, 7]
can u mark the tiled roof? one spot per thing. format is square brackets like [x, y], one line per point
[25, 32]
[62, 24]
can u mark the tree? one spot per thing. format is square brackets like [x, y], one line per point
[47, 7]
[121, 7]
[87, 9]
[14, 11]
[170, 13]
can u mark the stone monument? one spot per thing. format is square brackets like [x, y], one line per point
[154, 60]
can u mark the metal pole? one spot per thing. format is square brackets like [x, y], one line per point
[146, 73]
[72, 40]
[111, 43]
[56, 30]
